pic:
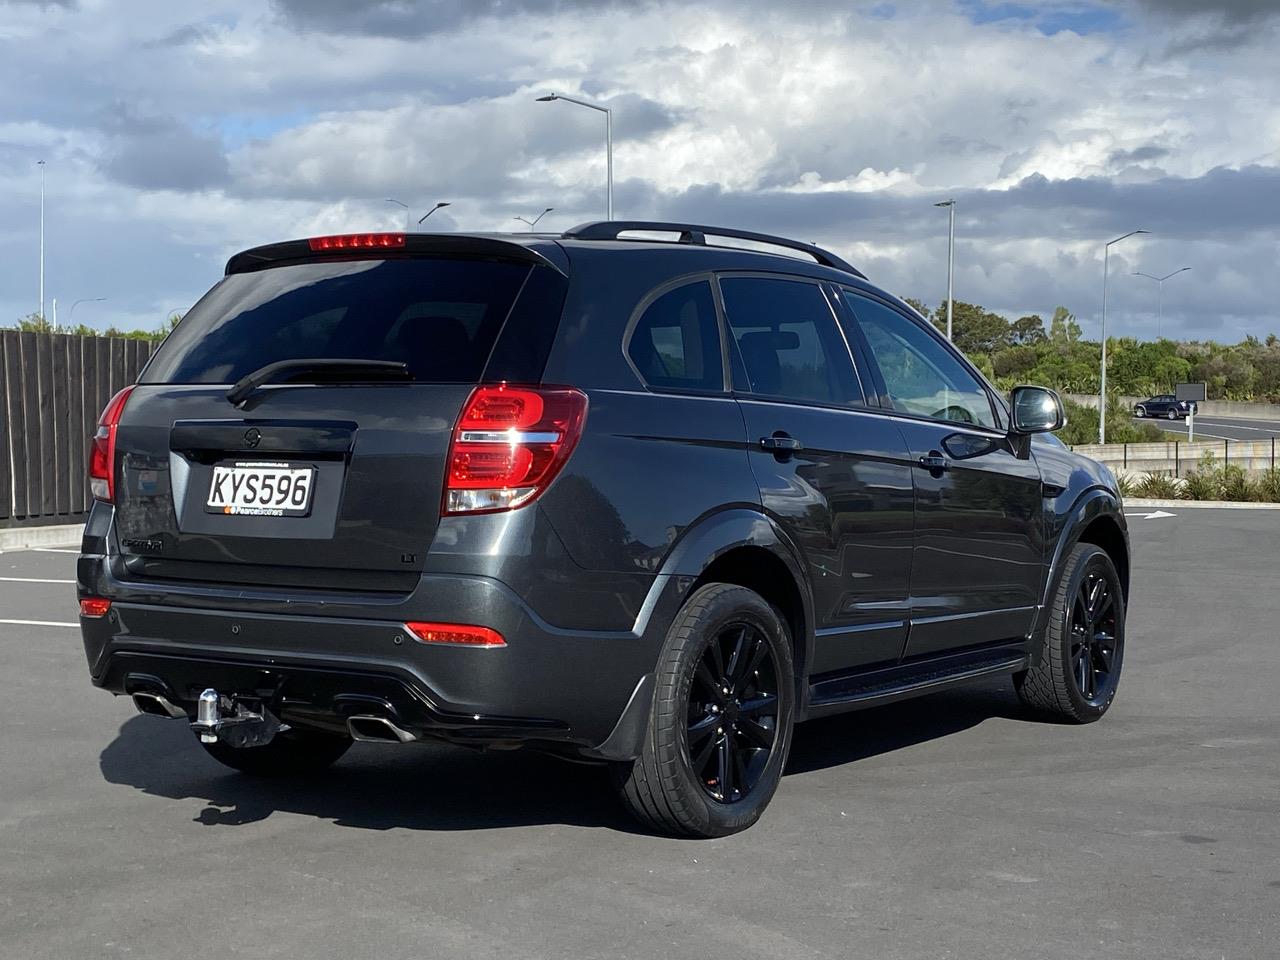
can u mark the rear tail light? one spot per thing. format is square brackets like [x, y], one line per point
[94, 607]
[456, 633]
[357, 241]
[509, 445]
[102, 455]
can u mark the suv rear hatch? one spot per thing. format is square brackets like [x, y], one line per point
[324, 475]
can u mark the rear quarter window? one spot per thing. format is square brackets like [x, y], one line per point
[441, 317]
[675, 344]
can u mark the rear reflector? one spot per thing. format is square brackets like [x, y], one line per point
[94, 607]
[456, 633]
[357, 241]
[102, 455]
[509, 444]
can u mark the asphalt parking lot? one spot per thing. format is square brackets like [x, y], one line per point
[1220, 428]
[953, 826]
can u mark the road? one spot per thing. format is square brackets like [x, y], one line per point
[1221, 428]
[953, 826]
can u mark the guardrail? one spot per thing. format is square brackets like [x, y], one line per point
[1176, 457]
[52, 388]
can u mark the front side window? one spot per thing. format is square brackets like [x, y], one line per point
[676, 343]
[787, 342]
[921, 375]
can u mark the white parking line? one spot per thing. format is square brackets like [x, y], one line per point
[51, 550]
[32, 580]
[39, 623]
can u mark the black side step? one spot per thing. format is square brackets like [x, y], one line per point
[835, 694]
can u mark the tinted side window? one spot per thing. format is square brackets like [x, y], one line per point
[920, 374]
[676, 343]
[787, 342]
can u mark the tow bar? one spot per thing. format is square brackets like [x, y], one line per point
[234, 721]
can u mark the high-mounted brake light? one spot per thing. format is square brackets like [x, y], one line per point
[357, 241]
[509, 444]
[102, 455]
[456, 633]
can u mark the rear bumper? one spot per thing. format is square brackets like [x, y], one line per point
[571, 688]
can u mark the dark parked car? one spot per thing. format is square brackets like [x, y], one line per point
[1166, 405]
[638, 502]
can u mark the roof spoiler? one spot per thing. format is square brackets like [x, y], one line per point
[403, 245]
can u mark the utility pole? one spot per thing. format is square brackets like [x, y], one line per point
[951, 259]
[41, 165]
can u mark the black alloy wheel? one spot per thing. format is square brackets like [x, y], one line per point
[1095, 644]
[733, 713]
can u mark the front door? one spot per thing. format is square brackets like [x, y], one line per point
[833, 474]
[978, 565]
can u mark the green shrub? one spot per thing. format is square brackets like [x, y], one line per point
[1157, 486]
[1236, 484]
[1127, 484]
[1200, 485]
[1268, 488]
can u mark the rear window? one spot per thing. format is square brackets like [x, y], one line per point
[438, 316]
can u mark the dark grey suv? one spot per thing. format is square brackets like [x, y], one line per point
[643, 494]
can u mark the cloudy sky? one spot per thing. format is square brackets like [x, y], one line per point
[177, 133]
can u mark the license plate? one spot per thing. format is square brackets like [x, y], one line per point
[259, 489]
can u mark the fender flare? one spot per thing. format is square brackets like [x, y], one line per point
[1093, 503]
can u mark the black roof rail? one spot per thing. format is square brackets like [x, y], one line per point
[697, 234]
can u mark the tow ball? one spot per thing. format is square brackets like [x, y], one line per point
[234, 721]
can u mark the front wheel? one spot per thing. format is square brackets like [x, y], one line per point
[289, 754]
[1077, 670]
[1140, 411]
[1173, 414]
[720, 727]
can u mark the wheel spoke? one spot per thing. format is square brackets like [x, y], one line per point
[699, 760]
[736, 655]
[702, 673]
[759, 649]
[1096, 595]
[761, 705]
[702, 728]
[725, 767]
[1108, 608]
[1083, 669]
[717, 659]
[1104, 648]
[757, 733]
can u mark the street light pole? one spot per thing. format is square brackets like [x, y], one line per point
[41, 165]
[1160, 295]
[399, 203]
[72, 312]
[1102, 392]
[951, 262]
[534, 222]
[608, 142]
[442, 203]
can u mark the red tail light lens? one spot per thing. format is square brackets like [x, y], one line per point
[456, 633]
[509, 445]
[102, 455]
[357, 241]
[94, 607]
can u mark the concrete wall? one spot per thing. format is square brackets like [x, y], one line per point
[1206, 408]
[1177, 457]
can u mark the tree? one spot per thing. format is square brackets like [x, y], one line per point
[1027, 330]
[1063, 327]
[973, 328]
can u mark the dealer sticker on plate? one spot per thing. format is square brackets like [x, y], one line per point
[258, 489]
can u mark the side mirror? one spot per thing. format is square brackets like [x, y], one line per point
[1036, 410]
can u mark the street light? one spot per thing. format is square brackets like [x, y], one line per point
[534, 222]
[40, 164]
[72, 312]
[1160, 296]
[1102, 392]
[951, 248]
[608, 142]
[442, 203]
[398, 203]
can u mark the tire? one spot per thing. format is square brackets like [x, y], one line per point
[290, 754]
[736, 775]
[1173, 414]
[1058, 682]
[1140, 411]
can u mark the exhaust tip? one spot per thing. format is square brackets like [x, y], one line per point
[373, 729]
[158, 705]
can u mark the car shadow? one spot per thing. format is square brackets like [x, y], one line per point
[441, 787]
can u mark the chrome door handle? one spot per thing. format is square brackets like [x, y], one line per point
[778, 444]
[935, 461]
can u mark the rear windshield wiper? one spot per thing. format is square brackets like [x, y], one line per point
[329, 370]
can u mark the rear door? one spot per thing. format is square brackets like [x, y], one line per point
[979, 536]
[831, 472]
[370, 454]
